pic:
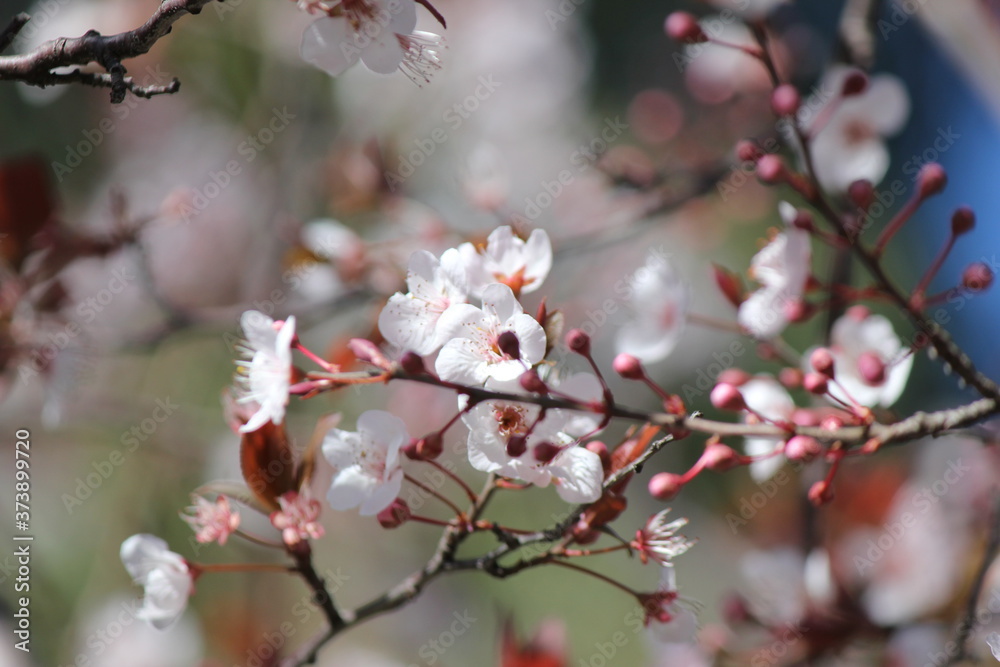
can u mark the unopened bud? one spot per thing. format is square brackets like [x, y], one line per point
[517, 445]
[365, 350]
[545, 451]
[861, 193]
[578, 341]
[822, 362]
[871, 368]
[748, 151]
[771, 169]
[531, 382]
[790, 378]
[509, 345]
[855, 83]
[820, 493]
[815, 383]
[962, 220]
[802, 448]
[665, 485]
[395, 514]
[831, 423]
[683, 27]
[727, 397]
[628, 367]
[720, 457]
[430, 446]
[734, 376]
[412, 363]
[785, 100]
[931, 179]
[977, 277]
[729, 284]
[410, 450]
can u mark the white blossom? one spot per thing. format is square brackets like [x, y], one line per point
[768, 398]
[366, 462]
[265, 381]
[659, 302]
[519, 264]
[856, 334]
[163, 574]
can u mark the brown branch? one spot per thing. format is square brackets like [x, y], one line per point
[36, 67]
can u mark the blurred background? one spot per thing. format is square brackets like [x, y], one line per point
[264, 183]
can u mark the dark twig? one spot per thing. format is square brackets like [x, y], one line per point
[35, 67]
[968, 623]
[12, 29]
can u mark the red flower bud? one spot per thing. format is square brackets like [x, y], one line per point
[729, 283]
[785, 100]
[578, 341]
[683, 27]
[771, 169]
[748, 151]
[628, 367]
[855, 83]
[871, 368]
[815, 383]
[822, 361]
[509, 345]
[977, 277]
[665, 485]
[395, 514]
[720, 457]
[530, 382]
[962, 220]
[931, 179]
[412, 363]
[727, 397]
[802, 448]
[517, 445]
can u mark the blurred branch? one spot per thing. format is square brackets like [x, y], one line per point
[968, 623]
[36, 67]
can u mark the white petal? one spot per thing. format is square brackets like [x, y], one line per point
[382, 495]
[409, 323]
[351, 487]
[499, 301]
[460, 361]
[579, 474]
[763, 313]
[328, 43]
[537, 260]
[383, 54]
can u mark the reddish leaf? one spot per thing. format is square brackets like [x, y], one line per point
[26, 205]
[540, 651]
[267, 463]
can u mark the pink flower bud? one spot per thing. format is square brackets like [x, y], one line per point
[545, 451]
[962, 220]
[861, 193]
[797, 310]
[509, 345]
[727, 397]
[831, 423]
[802, 448]
[790, 378]
[855, 83]
[729, 284]
[395, 514]
[822, 362]
[601, 450]
[734, 376]
[815, 383]
[430, 446]
[803, 220]
[365, 350]
[665, 485]
[410, 450]
[771, 169]
[530, 382]
[977, 277]
[748, 151]
[683, 27]
[931, 179]
[517, 445]
[578, 341]
[720, 457]
[858, 313]
[412, 363]
[871, 368]
[785, 100]
[628, 367]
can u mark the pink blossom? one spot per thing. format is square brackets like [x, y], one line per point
[212, 522]
[298, 518]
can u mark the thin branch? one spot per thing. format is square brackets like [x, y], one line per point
[36, 67]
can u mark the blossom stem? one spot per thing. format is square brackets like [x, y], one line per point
[264, 542]
[896, 224]
[917, 298]
[465, 487]
[596, 575]
[420, 485]
[244, 567]
[429, 520]
[591, 552]
[322, 363]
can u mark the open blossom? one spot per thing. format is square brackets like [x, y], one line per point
[576, 472]
[265, 380]
[659, 300]
[212, 522]
[519, 264]
[850, 144]
[860, 341]
[472, 354]
[782, 268]
[768, 398]
[164, 575]
[366, 462]
[410, 321]
[658, 539]
[298, 518]
[379, 33]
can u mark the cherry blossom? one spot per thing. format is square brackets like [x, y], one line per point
[472, 353]
[519, 264]
[782, 268]
[380, 33]
[993, 641]
[410, 321]
[576, 472]
[267, 378]
[298, 518]
[164, 575]
[367, 472]
[212, 522]
[659, 300]
[850, 143]
[658, 539]
[715, 73]
[765, 396]
[862, 345]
